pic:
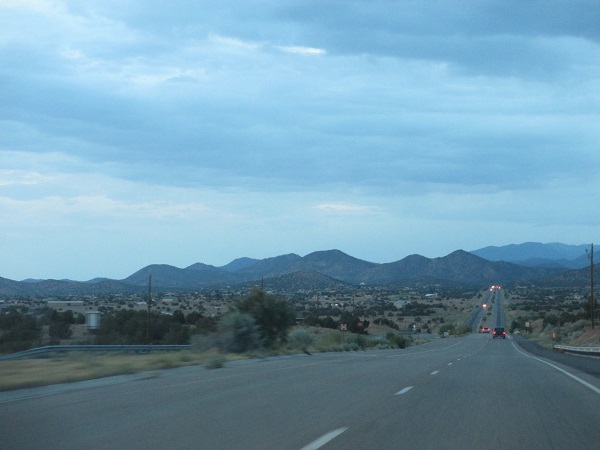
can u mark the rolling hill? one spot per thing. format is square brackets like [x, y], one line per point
[318, 270]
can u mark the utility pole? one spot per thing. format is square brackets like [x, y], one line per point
[149, 305]
[318, 305]
[592, 301]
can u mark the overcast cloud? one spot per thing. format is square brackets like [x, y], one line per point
[139, 132]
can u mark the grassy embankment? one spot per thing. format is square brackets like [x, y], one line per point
[70, 367]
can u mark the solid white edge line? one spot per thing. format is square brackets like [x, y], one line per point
[324, 439]
[579, 380]
[404, 391]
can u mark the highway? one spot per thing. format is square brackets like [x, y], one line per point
[471, 392]
[474, 321]
[498, 310]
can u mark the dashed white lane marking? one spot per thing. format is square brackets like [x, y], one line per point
[324, 439]
[404, 391]
[435, 372]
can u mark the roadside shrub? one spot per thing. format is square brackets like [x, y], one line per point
[517, 324]
[446, 328]
[273, 316]
[381, 342]
[462, 329]
[362, 341]
[238, 333]
[301, 339]
[331, 342]
[400, 341]
[215, 361]
[551, 319]
[203, 343]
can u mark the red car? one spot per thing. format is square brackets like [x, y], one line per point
[485, 329]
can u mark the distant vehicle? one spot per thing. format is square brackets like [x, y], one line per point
[485, 329]
[499, 332]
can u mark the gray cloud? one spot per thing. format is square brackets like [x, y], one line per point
[404, 113]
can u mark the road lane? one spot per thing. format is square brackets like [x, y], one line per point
[498, 398]
[289, 401]
[474, 321]
[445, 393]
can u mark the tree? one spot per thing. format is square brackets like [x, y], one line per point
[273, 316]
[131, 327]
[60, 324]
[17, 332]
[178, 316]
[59, 330]
[551, 319]
[353, 323]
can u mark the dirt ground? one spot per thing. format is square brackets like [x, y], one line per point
[591, 337]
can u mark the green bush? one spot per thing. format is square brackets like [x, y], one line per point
[462, 329]
[274, 317]
[362, 341]
[17, 332]
[238, 333]
[301, 339]
[403, 341]
[215, 361]
[446, 328]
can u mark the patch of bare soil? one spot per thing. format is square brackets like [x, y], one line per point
[591, 337]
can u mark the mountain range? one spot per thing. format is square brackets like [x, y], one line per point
[535, 254]
[557, 265]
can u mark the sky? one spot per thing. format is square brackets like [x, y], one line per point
[137, 132]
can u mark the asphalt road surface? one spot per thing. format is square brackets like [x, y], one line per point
[474, 321]
[458, 393]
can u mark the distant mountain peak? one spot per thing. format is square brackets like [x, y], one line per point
[239, 264]
[331, 268]
[537, 254]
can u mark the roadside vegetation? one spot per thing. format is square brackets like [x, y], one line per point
[255, 326]
[79, 366]
[259, 324]
[552, 316]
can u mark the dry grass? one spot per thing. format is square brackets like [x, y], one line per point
[24, 373]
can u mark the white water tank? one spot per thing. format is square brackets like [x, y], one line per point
[92, 320]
